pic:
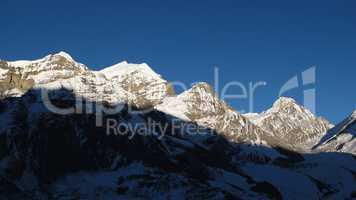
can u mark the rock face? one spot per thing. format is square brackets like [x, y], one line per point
[186, 146]
[12, 82]
[341, 138]
[292, 124]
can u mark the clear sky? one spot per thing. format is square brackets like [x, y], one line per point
[249, 41]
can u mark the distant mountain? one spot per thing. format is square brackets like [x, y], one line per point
[162, 145]
[291, 123]
[341, 138]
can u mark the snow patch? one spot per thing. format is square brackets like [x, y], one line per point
[174, 106]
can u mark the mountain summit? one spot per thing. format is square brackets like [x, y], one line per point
[64, 55]
[292, 123]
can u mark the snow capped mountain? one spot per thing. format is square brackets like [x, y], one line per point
[195, 103]
[49, 68]
[213, 152]
[124, 67]
[200, 104]
[136, 84]
[291, 123]
[341, 138]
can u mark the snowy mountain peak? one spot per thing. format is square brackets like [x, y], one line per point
[60, 58]
[124, 68]
[198, 102]
[64, 55]
[122, 63]
[202, 86]
[284, 101]
[291, 122]
[199, 91]
[289, 106]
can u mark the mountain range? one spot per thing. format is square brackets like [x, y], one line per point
[207, 150]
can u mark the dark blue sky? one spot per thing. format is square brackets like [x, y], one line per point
[183, 40]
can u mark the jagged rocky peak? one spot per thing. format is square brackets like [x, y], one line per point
[60, 63]
[200, 91]
[289, 105]
[284, 101]
[124, 68]
[202, 101]
[63, 59]
[60, 58]
[203, 86]
[284, 106]
[292, 123]
[64, 55]
[138, 83]
[197, 102]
